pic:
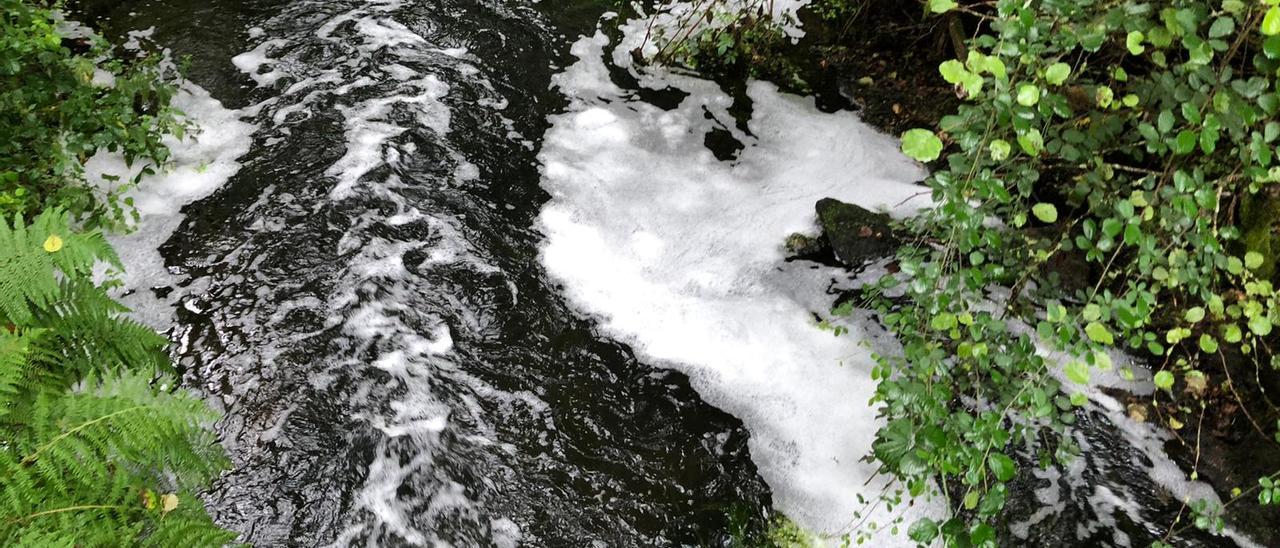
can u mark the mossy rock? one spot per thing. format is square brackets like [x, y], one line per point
[856, 234]
[1259, 220]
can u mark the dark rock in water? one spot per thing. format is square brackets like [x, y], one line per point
[856, 235]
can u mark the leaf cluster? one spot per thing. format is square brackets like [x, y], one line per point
[1124, 142]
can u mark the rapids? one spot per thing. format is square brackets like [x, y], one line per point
[458, 275]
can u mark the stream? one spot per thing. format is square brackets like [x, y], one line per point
[458, 275]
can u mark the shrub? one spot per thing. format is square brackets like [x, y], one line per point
[1135, 139]
[62, 99]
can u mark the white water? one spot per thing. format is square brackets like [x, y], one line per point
[201, 163]
[382, 94]
[680, 255]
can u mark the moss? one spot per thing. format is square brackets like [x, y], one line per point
[1259, 218]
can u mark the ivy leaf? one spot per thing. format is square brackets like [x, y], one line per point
[1098, 333]
[941, 6]
[921, 145]
[1045, 212]
[1031, 142]
[1163, 380]
[1057, 73]
[1222, 26]
[1002, 466]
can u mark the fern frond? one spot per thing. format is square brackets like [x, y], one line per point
[92, 454]
[32, 256]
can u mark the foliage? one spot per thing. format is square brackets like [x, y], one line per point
[97, 450]
[62, 99]
[1122, 136]
[725, 37]
[94, 452]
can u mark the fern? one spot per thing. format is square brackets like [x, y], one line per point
[32, 256]
[93, 454]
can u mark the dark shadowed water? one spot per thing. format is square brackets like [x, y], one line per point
[393, 364]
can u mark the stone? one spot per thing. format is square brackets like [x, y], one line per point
[856, 235]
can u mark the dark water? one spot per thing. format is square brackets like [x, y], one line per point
[532, 429]
[363, 300]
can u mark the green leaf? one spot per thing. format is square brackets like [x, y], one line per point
[1031, 141]
[1002, 466]
[1232, 334]
[1221, 27]
[1252, 260]
[1208, 344]
[923, 531]
[1271, 21]
[941, 6]
[1186, 141]
[921, 145]
[1194, 314]
[1260, 325]
[1133, 42]
[1045, 212]
[971, 500]
[1163, 380]
[1000, 150]
[1057, 73]
[1098, 333]
[1077, 372]
[1028, 95]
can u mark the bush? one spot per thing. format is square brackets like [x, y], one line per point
[97, 448]
[62, 99]
[1133, 139]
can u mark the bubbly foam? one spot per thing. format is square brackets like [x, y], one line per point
[680, 255]
[200, 164]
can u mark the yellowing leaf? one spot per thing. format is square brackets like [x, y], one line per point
[53, 243]
[168, 503]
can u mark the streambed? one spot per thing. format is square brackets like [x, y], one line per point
[473, 284]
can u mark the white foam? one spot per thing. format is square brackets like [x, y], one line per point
[680, 255]
[201, 164]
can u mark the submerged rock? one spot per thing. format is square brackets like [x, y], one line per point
[855, 234]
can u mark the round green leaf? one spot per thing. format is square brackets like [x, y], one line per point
[1098, 333]
[1000, 150]
[1077, 372]
[941, 6]
[1163, 380]
[1028, 95]
[1057, 73]
[1133, 42]
[1045, 212]
[1252, 260]
[1208, 344]
[921, 145]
